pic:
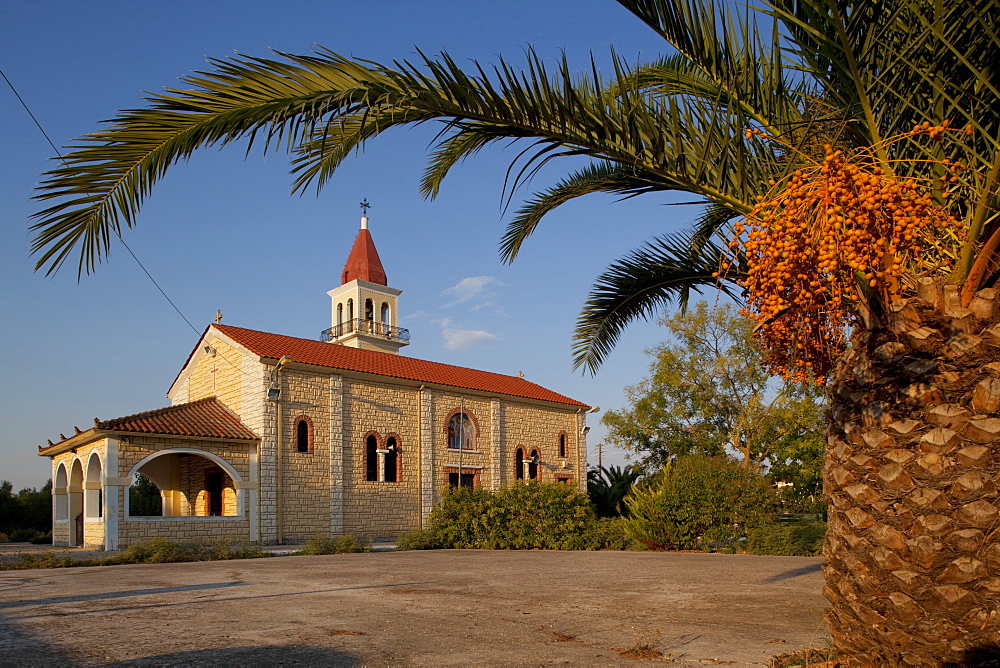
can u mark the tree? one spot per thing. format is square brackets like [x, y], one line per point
[857, 143]
[144, 497]
[10, 508]
[699, 503]
[27, 512]
[709, 393]
[608, 486]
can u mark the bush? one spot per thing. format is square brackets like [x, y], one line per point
[699, 503]
[419, 539]
[551, 516]
[803, 539]
[158, 551]
[42, 539]
[608, 533]
[339, 545]
[22, 535]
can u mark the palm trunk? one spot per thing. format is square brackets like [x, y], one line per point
[911, 476]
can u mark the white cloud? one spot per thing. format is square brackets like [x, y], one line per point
[472, 288]
[464, 339]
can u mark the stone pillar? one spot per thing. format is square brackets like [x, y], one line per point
[425, 427]
[336, 439]
[268, 475]
[581, 452]
[253, 492]
[497, 451]
[115, 486]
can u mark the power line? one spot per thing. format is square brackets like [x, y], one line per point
[117, 233]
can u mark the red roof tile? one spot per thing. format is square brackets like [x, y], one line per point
[308, 351]
[363, 262]
[207, 418]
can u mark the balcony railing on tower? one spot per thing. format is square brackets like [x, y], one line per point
[361, 326]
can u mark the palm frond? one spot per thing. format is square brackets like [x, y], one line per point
[322, 106]
[663, 272]
[599, 177]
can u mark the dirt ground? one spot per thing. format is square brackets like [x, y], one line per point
[417, 608]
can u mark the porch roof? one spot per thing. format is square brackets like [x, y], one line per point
[205, 418]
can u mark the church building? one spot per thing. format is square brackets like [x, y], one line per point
[275, 439]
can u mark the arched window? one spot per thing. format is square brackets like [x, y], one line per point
[461, 432]
[369, 310]
[340, 319]
[371, 458]
[303, 434]
[562, 445]
[533, 466]
[350, 313]
[391, 460]
[93, 498]
[519, 464]
[386, 320]
[61, 498]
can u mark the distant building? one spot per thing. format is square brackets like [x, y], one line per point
[274, 439]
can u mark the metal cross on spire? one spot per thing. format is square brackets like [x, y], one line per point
[365, 206]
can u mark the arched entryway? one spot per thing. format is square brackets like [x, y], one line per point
[192, 483]
[75, 495]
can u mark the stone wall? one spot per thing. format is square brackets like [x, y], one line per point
[193, 466]
[219, 376]
[185, 529]
[531, 427]
[305, 492]
[380, 509]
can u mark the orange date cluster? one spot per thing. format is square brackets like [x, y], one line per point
[825, 241]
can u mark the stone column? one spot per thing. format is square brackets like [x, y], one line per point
[336, 439]
[425, 426]
[497, 452]
[268, 476]
[114, 486]
[581, 452]
[253, 492]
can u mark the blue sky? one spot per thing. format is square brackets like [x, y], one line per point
[221, 232]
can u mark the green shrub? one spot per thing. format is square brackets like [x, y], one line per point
[42, 539]
[699, 503]
[4, 538]
[419, 539]
[22, 535]
[796, 539]
[551, 516]
[524, 516]
[223, 550]
[338, 545]
[609, 533]
[43, 560]
[158, 551]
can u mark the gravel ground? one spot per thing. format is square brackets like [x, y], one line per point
[447, 607]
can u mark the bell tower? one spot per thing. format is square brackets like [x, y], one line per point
[364, 308]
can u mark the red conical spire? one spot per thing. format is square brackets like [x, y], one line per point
[363, 263]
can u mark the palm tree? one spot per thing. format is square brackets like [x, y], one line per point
[607, 487]
[741, 117]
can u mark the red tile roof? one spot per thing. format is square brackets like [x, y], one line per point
[336, 356]
[207, 418]
[363, 262]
